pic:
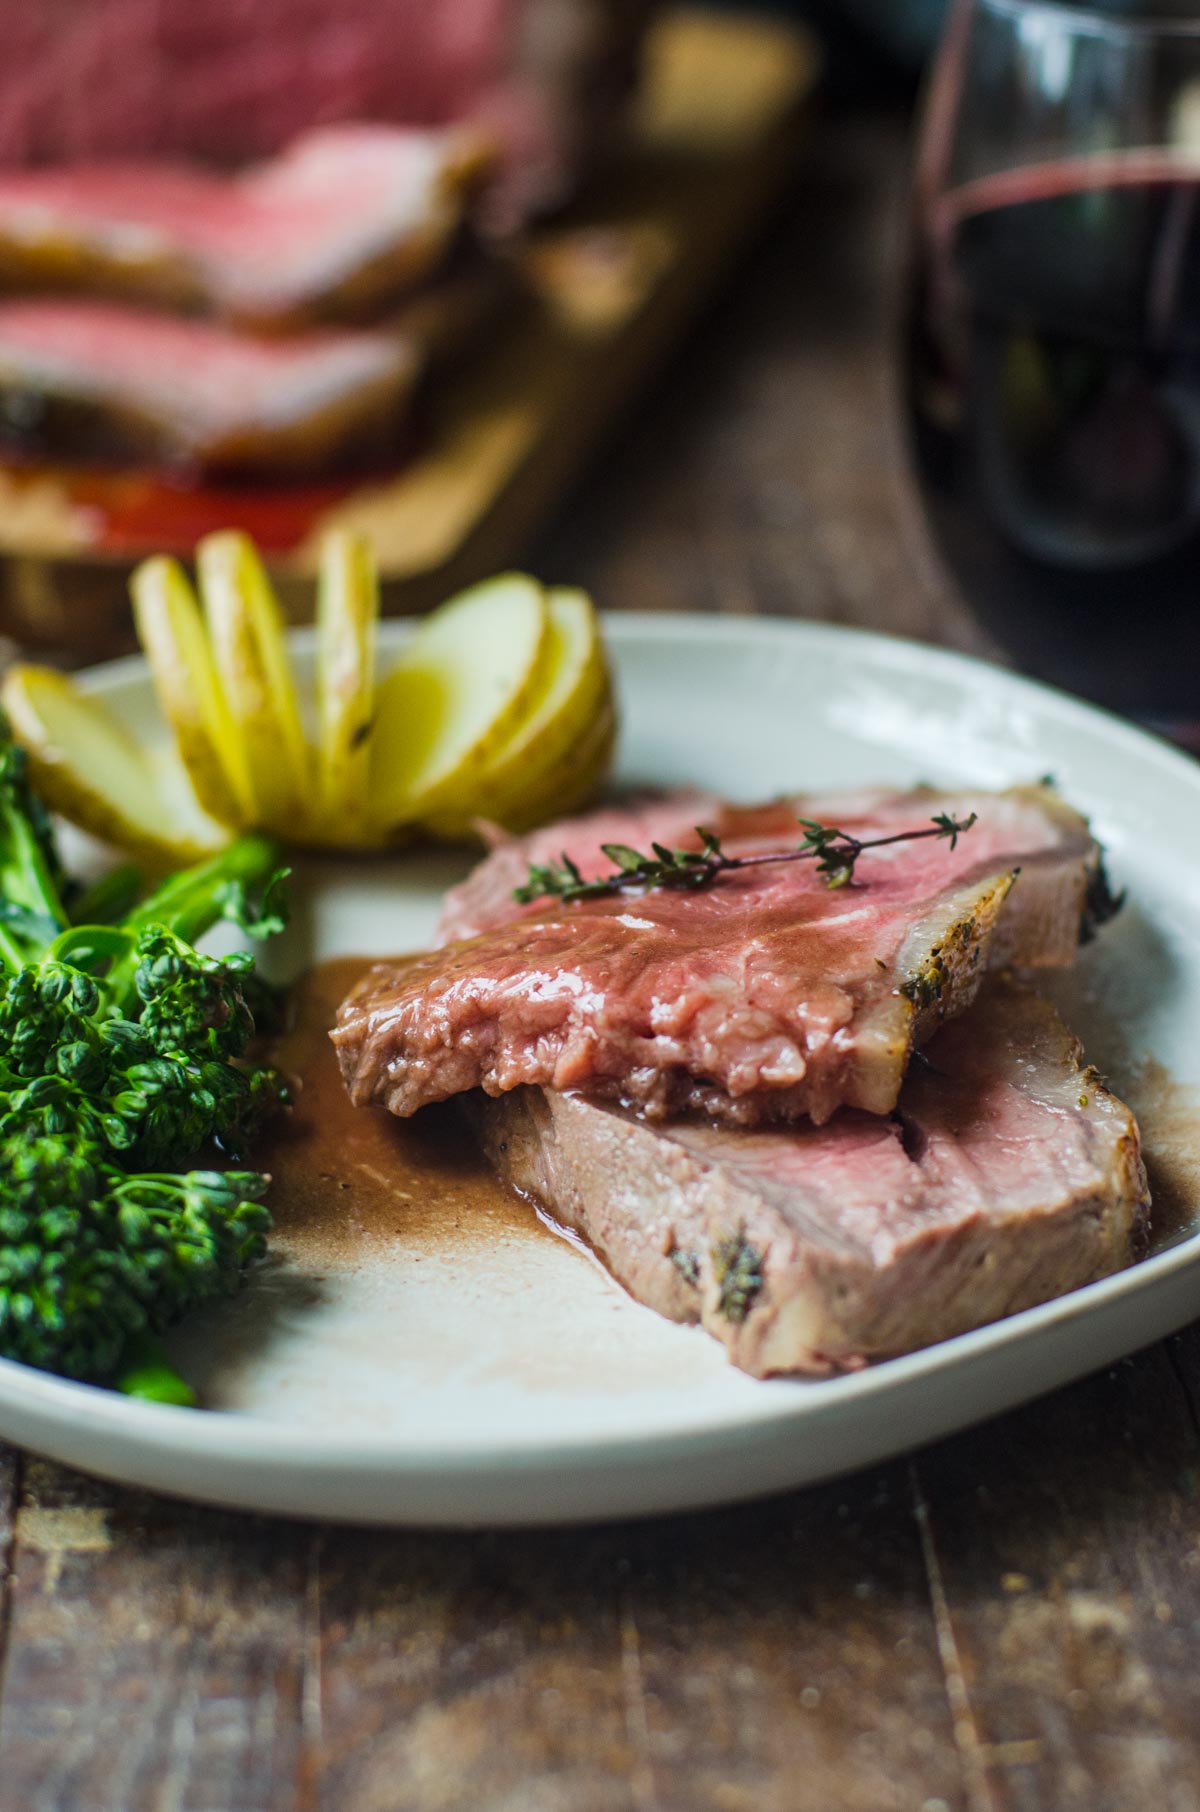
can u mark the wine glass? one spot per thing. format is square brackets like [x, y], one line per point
[1051, 361]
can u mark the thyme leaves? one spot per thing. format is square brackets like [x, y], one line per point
[737, 1268]
[836, 853]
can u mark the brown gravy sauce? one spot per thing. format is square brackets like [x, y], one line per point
[1168, 1113]
[345, 1175]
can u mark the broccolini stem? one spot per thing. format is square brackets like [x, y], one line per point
[84, 946]
[109, 898]
[27, 881]
[12, 954]
[193, 901]
[148, 1374]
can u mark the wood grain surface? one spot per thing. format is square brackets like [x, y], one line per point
[1009, 1622]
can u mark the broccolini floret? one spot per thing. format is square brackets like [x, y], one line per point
[122, 1062]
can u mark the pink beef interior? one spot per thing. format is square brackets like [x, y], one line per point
[203, 393]
[278, 237]
[223, 80]
[1008, 1176]
[218, 78]
[765, 996]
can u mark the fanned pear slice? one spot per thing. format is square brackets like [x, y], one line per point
[248, 636]
[347, 617]
[463, 684]
[538, 757]
[175, 643]
[578, 777]
[86, 765]
[574, 783]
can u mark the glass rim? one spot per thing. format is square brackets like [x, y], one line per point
[1087, 19]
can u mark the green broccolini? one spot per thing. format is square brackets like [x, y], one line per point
[122, 1058]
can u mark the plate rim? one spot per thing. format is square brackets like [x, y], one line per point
[246, 1442]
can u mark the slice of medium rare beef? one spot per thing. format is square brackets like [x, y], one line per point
[765, 996]
[228, 82]
[83, 380]
[333, 228]
[1008, 1176]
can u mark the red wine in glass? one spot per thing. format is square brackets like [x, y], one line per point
[1052, 377]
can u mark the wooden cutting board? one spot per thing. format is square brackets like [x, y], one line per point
[712, 139]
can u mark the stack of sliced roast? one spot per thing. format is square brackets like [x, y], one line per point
[831, 1124]
[232, 240]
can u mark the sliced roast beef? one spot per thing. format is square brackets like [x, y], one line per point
[765, 996]
[98, 380]
[336, 226]
[1008, 1176]
[228, 81]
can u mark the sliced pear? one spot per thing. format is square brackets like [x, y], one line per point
[577, 778]
[247, 631]
[574, 692]
[347, 616]
[462, 686]
[85, 764]
[173, 638]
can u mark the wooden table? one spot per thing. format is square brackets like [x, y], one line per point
[1008, 1620]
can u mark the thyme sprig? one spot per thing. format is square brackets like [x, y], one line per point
[835, 852]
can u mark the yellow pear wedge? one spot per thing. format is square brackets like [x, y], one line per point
[347, 618]
[175, 643]
[464, 682]
[247, 632]
[575, 692]
[576, 779]
[86, 765]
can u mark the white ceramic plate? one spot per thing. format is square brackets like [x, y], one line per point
[507, 1379]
